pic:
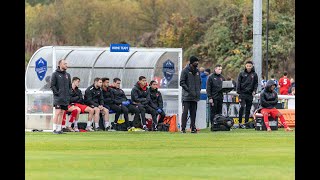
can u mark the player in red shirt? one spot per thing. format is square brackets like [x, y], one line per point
[284, 84]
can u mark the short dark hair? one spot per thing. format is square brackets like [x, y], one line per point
[272, 76]
[285, 73]
[218, 65]
[249, 62]
[96, 79]
[142, 77]
[75, 78]
[116, 79]
[104, 79]
[151, 82]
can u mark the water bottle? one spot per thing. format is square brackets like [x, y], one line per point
[178, 126]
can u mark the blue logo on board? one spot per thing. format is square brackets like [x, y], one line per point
[119, 47]
[168, 69]
[41, 68]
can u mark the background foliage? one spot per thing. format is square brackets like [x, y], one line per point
[218, 31]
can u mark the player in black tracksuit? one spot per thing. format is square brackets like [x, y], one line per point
[246, 88]
[61, 89]
[108, 100]
[120, 100]
[93, 97]
[190, 82]
[156, 101]
[141, 98]
[214, 92]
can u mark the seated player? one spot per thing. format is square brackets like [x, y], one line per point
[268, 101]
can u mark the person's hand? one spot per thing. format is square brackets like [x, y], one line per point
[159, 110]
[253, 93]
[239, 100]
[211, 102]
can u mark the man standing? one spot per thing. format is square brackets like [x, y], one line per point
[246, 88]
[61, 88]
[156, 101]
[93, 97]
[214, 92]
[284, 84]
[141, 98]
[191, 86]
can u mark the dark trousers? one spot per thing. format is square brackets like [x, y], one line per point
[147, 109]
[215, 109]
[162, 116]
[118, 111]
[130, 109]
[246, 103]
[190, 106]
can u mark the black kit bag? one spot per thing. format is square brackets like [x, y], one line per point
[221, 123]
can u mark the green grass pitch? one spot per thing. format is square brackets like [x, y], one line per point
[237, 154]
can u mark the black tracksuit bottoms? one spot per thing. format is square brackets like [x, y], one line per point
[190, 106]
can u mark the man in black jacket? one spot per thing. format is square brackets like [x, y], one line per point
[156, 101]
[77, 102]
[191, 86]
[141, 98]
[108, 101]
[61, 88]
[246, 88]
[120, 100]
[214, 92]
[268, 102]
[93, 97]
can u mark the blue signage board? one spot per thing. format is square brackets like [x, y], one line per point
[119, 47]
[41, 68]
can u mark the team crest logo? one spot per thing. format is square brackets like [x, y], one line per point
[168, 69]
[41, 68]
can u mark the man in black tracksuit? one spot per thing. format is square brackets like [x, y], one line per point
[120, 100]
[141, 98]
[214, 92]
[61, 89]
[93, 97]
[246, 88]
[190, 82]
[108, 101]
[156, 101]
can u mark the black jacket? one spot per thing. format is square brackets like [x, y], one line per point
[139, 96]
[268, 98]
[118, 95]
[93, 96]
[190, 82]
[214, 86]
[76, 96]
[155, 98]
[61, 87]
[107, 96]
[247, 83]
